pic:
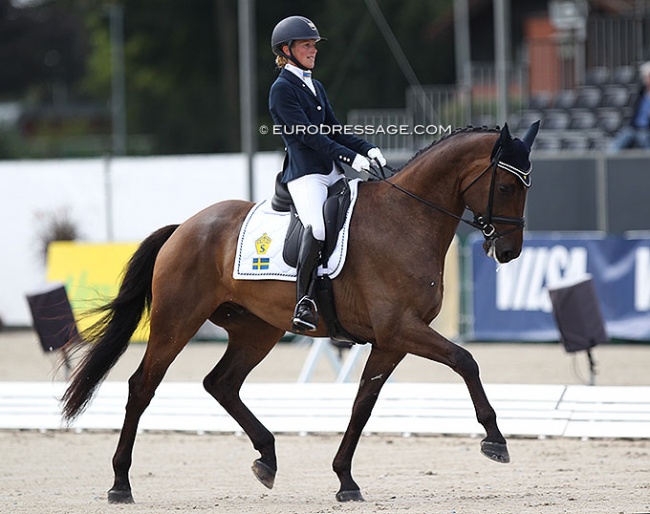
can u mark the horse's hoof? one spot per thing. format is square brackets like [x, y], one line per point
[497, 452]
[263, 473]
[115, 496]
[349, 496]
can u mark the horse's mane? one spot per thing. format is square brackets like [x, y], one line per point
[455, 132]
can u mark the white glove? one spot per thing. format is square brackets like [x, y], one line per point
[360, 163]
[375, 154]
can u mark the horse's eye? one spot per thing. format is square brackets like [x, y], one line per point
[506, 189]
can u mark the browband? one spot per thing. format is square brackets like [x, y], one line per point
[522, 175]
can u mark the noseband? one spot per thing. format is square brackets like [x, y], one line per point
[483, 223]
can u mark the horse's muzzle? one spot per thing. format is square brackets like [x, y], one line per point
[501, 250]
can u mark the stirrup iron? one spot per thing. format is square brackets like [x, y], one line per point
[305, 315]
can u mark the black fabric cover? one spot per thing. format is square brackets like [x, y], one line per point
[53, 319]
[578, 316]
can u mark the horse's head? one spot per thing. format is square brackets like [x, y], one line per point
[498, 195]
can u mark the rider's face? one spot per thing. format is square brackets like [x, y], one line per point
[304, 51]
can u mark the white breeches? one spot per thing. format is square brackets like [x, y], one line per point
[309, 194]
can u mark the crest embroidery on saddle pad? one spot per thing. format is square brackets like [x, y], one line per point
[261, 241]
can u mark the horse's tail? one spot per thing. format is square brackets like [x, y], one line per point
[110, 335]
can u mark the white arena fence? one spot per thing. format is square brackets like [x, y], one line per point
[403, 408]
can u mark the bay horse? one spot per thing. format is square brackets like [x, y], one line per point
[388, 292]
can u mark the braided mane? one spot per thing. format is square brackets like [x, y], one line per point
[461, 130]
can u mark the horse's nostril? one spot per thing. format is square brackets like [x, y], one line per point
[506, 256]
[509, 255]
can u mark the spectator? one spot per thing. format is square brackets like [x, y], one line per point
[636, 134]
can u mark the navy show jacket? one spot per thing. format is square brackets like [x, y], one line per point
[313, 136]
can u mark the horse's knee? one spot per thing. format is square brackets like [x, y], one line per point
[464, 363]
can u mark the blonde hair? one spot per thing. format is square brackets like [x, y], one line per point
[280, 61]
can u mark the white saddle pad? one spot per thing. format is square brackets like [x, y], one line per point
[261, 242]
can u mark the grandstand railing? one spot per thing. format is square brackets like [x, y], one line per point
[433, 111]
[586, 96]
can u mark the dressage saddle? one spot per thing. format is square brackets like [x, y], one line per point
[334, 212]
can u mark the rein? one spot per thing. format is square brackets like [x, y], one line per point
[480, 222]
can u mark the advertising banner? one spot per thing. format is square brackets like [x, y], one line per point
[91, 273]
[510, 302]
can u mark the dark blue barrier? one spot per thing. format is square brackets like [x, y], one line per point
[590, 191]
[510, 302]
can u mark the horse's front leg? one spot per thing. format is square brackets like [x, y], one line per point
[378, 368]
[493, 446]
[421, 340]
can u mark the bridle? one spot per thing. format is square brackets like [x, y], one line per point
[483, 223]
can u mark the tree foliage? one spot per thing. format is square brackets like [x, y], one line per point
[39, 46]
[181, 60]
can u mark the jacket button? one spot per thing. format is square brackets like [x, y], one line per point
[318, 108]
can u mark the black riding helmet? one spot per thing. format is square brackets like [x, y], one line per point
[292, 29]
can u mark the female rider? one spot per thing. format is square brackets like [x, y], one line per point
[299, 105]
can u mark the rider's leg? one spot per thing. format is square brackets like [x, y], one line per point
[309, 194]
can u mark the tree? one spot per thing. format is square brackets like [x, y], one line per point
[181, 60]
[38, 45]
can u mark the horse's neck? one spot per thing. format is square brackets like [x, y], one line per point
[403, 220]
[436, 176]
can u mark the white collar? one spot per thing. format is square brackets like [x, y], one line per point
[296, 71]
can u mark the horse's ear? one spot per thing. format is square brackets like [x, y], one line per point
[506, 138]
[530, 134]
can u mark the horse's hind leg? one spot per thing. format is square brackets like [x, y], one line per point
[161, 352]
[378, 368]
[250, 340]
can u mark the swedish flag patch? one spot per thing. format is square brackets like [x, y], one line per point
[260, 263]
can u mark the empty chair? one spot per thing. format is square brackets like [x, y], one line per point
[598, 141]
[582, 119]
[565, 99]
[548, 141]
[624, 75]
[597, 76]
[556, 119]
[575, 141]
[609, 120]
[527, 117]
[627, 112]
[588, 97]
[633, 91]
[615, 96]
[540, 100]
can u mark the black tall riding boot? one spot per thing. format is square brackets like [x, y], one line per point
[305, 315]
